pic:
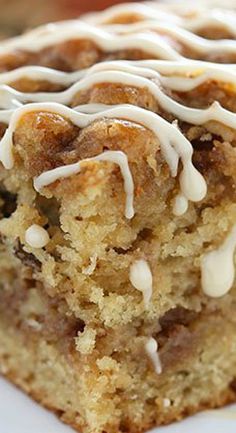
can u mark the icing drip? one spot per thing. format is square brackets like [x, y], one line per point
[180, 205]
[152, 350]
[217, 267]
[56, 33]
[201, 17]
[116, 157]
[36, 236]
[166, 402]
[173, 144]
[141, 278]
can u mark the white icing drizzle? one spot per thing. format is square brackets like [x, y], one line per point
[93, 108]
[131, 76]
[141, 278]
[56, 33]
[36, 236]
[174, 145]
[203, 17]
[202, 72]
[194, 42]
[180, 205]
[178, 72]
[151, 348]
[136, 75]
[5, 117]
[139, 74]
[113, 156]
[217, 267]
[166, 402]
[119, 37]
[37, 326]
[38, 73]
[191, 115]
[137, 9]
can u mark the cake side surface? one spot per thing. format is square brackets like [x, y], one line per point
[111, 393]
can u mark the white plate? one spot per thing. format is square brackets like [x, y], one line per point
[19, 414]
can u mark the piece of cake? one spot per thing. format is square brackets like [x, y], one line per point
[118, 217]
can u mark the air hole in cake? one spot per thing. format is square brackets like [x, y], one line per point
[30, 378]
[26, 259]
[206, 245]
[183, 373]
[187, 391]
[190, 229]
[8, 203]
[199, 145]
[59, 413]
[49, 207]
[176, 316]
[232, 385]
[124, 427]
[119, 250]
[145, 234]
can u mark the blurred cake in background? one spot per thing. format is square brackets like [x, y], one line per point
[17, 15]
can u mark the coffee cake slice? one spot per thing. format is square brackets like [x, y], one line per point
[117, 220]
